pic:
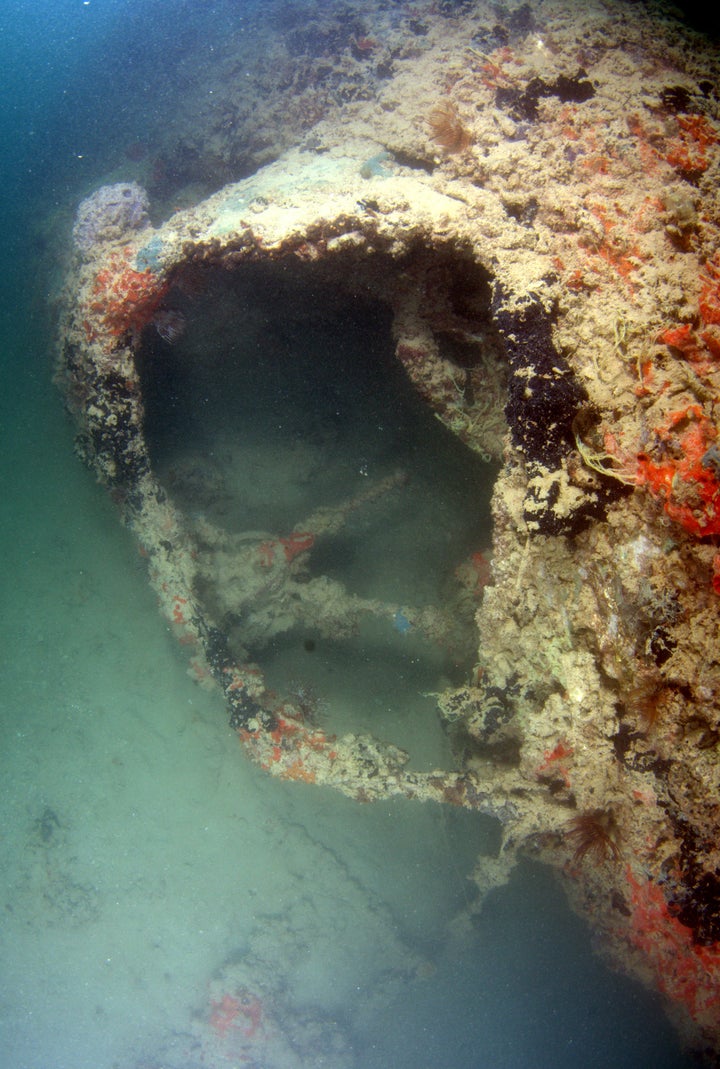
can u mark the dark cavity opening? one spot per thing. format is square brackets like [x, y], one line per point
[282, 395]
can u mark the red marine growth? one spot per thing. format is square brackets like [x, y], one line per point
[685, 972]
[124, 299]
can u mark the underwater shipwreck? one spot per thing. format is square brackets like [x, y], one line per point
[536, 236]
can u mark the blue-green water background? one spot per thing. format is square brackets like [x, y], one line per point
[165, 839]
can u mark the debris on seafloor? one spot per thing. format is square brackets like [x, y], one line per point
[549, 253]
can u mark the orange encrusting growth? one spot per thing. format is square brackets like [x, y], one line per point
[701, 345]
[554, 764]
[296, 543]
[689, 151]
[685, 481]
[682, 468]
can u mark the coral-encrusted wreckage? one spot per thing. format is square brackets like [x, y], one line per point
[533, 200]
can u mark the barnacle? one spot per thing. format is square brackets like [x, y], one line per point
[646, 697]
[446, 129]
[602, 462]
[595, 833]
[306, 701]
